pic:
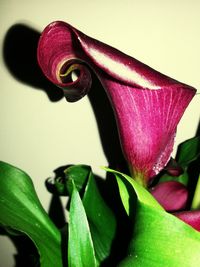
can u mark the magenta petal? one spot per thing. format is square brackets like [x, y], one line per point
[147, 121]
[171, 195]
[147, 104]
[173, 168]
[58, 59]
[190, 217]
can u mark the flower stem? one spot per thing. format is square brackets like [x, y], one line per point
[139, 177]
[196, 198]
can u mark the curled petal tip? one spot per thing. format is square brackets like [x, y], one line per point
[58, 60]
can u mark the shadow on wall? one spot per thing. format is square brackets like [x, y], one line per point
[20, 57]
[198, 130]
[27, 255]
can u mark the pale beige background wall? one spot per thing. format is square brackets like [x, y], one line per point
[38, 135]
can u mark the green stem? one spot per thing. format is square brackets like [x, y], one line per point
[139, 177]
[196, 198]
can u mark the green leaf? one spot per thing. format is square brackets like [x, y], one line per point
[159, 239]
[63, 185]
[188, 151]
[100, 217]
[80, 247]
[78, 175]
[183, 178]
[22, 211]
[124, 183]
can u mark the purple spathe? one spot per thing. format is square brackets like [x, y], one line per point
[147, 104]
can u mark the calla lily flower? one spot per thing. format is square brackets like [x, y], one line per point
[190, 217]
[147, 104]
[175, 194]
[172, 195]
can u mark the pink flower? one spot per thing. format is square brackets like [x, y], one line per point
[147, 104]
[172, 195]
[190, 217]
